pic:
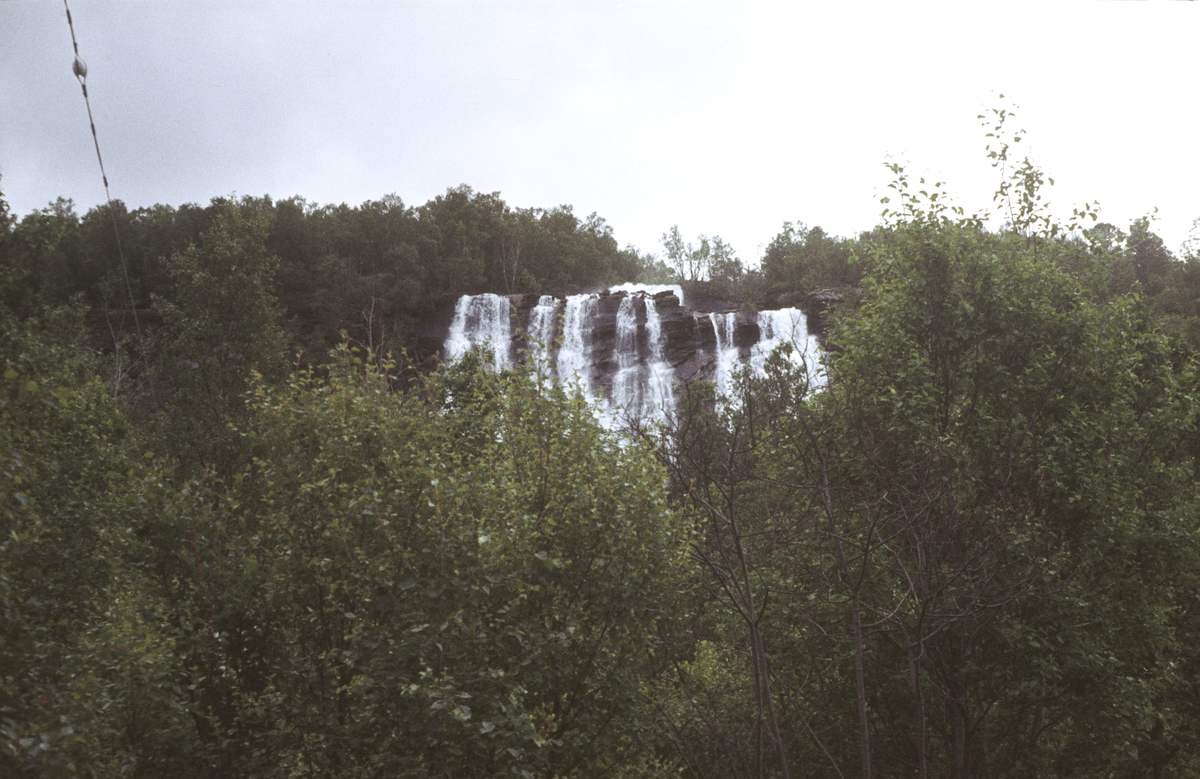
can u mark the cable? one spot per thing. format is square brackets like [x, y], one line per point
[79, 68]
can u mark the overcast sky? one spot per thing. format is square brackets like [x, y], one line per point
[723, 118]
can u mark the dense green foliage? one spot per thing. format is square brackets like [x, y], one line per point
[989, 513]
[393, 588]
[60, 465]
[974, 553]
[800, 259]
[238, 539]
[372, 271]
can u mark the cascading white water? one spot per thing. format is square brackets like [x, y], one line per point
[727, 351]
[660, 385]
[627, 385]
[787, 325]
[642, 386]
[575, 354]
[482, 321]
[540, 333]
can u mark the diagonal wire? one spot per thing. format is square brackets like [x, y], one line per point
[79, 68]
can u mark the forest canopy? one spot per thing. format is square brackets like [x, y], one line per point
[241, 534]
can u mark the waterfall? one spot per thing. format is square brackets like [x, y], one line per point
[575, 354]
[787, 325]
[627, 385]
[660, 384]
[639, 379]
[727, 351]
[643, 386]
[540, 332]
[482, 321]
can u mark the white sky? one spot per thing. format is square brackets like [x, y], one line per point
[724, 118]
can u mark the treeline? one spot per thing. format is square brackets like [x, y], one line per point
[975, 552]
[801, 260]
[376, 270]
[372, 270]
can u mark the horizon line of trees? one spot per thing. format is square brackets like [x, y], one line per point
[377, 270]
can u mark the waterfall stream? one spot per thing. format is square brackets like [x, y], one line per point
[627, 384]
[482, 321]
[574, 362]
[660, 381]
[727, 351]
[540, 333]
[787, 326]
